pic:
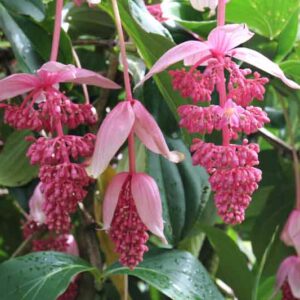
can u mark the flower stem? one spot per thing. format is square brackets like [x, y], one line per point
[57, 30]
[221, 12]
[131, 150]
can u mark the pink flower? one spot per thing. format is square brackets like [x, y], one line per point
[291, 231]
[36, 203]
[202, 4]
[49, 75]
[156, 11]
[221, 42]
[72, 247]
[132, 205]
[125, 117]
[231, 114]
[288, 277]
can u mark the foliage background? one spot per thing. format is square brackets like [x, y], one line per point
[244, 257]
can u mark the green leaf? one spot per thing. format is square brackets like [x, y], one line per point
[261, 266]
[39, 275]
[233, 268]
[184, 191]
[265, 17]
[292, 69]
[183, 13]
[175, 273]
[31, 42]
[15, 169]
[85, 21]
[287, 37]
[32, 8]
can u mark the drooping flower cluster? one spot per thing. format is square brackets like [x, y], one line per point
[234, 176]
[47, 240]
[132, 204]
[64, 180]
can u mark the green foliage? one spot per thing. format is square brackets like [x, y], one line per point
[177, 274]
[39, 275]
[15, 169]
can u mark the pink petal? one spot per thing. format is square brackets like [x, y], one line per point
[150, 134]
[69, 73]
[294, 279]
[111, 198]
[258, 60]
[174, 55]
[148, 203]
[284, 269]
[111, 136]
[35, 206]
[72, 247]
[227, 37]
[16, 85]
[291, 228]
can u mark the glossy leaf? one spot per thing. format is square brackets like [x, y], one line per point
[175, 273]
[32, 8]
[292, 68]
[265, 17]
[233, 268]
[184, 191]
[39, 275]
[15, 169]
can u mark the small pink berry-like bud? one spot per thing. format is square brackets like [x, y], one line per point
[132, 206]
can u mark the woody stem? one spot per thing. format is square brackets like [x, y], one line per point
[131, 150]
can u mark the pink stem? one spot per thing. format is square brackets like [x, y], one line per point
[221, 12]
[57, 30]
[131, 150]
[223, 98]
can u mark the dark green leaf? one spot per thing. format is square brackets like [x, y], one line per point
[183, 13]
[32, 8]
[266, 17]
[184, 191]
[233, 268]
[292, 69]
[175, 273]
[288, 36]
[39, 275]
[15, 169]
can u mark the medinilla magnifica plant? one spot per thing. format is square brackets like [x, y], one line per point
[155, 139]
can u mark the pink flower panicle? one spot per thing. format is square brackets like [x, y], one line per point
[233, 175]
[54, 106]
[127, 229]
[64, 186]
[52, 151]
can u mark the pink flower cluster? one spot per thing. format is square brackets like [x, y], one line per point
[232, 167]
[64, 180]
[46, 240]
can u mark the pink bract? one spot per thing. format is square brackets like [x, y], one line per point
[132, 205]
[221, 42]
[50, 74]
[115, 129]
[291, 231]
[289, 271]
